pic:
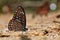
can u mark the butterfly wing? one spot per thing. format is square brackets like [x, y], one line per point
[20, 15]
[18, 22]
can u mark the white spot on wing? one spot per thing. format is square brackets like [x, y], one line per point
[22, 12]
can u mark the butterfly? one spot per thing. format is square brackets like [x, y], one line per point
[18, 21]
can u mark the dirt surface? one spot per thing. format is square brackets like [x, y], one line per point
[39, 28]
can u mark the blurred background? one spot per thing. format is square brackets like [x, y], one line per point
[41, 15]
[32, 8]
[28, 5]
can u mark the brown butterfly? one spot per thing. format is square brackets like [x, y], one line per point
[18, 22]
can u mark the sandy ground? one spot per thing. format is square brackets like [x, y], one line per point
[39, 28]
